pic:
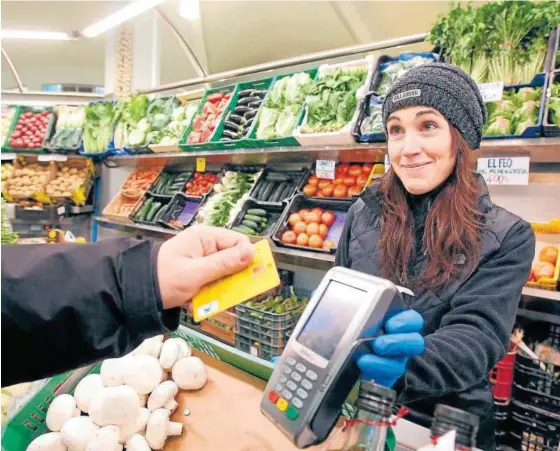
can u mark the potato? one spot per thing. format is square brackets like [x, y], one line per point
[73, 171]
[65, 169]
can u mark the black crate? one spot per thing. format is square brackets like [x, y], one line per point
[533, 429]
[534, 386]
[274, 215]
[140, 205]
[169, 172]
[256, 348]
[550, 129]
[174, 217]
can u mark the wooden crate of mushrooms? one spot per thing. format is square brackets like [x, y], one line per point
[161, 396]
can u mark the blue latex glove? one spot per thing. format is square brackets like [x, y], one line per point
[392, 350]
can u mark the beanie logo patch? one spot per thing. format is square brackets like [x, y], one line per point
[407, 94]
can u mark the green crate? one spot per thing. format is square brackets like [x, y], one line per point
[17, 110]
[242, 143]
[210, 144]
[29, 422]
[50, 128]
[288, 141]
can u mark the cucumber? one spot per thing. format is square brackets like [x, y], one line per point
[287, 190]
[160, 213]
[251, 224]
[141, 215]
[278, 177]
[278, 192]
[257, 219]
[268, 192]
[258, 189]
[153, 210]
[257, 212]
[262, 189]
[246, 230]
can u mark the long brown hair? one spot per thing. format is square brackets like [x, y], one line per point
[453, 226]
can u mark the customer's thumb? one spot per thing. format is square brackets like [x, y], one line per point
[225, 262]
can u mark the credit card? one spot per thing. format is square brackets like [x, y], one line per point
[260, 276]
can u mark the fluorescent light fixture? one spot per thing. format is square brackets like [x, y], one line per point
[29, 34]
[122, 15]
[189, 9]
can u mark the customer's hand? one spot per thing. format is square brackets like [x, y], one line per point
[196, 257]
[392, 350]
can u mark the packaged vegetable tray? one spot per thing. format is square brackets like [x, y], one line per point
[282, 110]
[246, 102]
[520, 112]
[277, 186]
[335, 216]
[253, 210]
[202, 133]
[545, 283]
[68, 130]
[343, 133]
[149, 210]
[551, 114]
[180, 212]
[25, 120]
[169, 183]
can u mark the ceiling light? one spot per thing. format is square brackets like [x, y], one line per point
[190, 9]
[122, 15]
[29, 34]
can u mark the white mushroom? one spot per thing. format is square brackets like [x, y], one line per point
[106, 439]
[159, 428]
[151, 346]
[77, 432]
[60, 411]
[143, 373]
[143, 400]
[47, 442]
[136, 427]
[189, 373]
[114, 406]
[173, 350]
[137, 443]
[164, 396]
[112, 371]
[88, 388]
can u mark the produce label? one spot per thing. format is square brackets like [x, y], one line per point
[7, 156]
[200, 164]
[52, 157]
[491, 92]
[504, 170]
[325, 169]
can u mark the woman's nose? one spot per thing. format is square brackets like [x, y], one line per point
[411, 145]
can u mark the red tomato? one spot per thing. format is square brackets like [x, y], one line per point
[302, 239]
[313, 180]
[328, 191]
[366, 168]
[312, 229]
[323, 183]
[300, 227]
[310, 190]
[349, 180]
[289, 237]
[355, 170]
[304, 212]
[315, 241]
[337, 181]
[354, 191]
[323, 230]
[328, 218]
[343, 169]
[340, 191]
[318, 210]
[319, 194]
[362, 180]
[294, 219]
[312, 217]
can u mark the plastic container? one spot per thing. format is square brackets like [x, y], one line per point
[211, 144]
[501, 377]
[158, 215]
[256, 348]
[242, 142]
[287, 141]
[550, 129]
[340, 207]
[151, 189]
[296, 177]
[48, 130]
[274, 212]
[501, 418]
[534, 131]
[274, 339]
[553, 226]
[180, 212]
[536, 387]
[548, 283]
[344, 135]
[533, 429]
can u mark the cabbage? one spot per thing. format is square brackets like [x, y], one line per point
[525, 94]
[287, 120]
[136, 138]
[297, 87]
[178, 113]
[267, 119]
[503, 107]
[500, 126]
[554, 108]
[522, 126]
[275, 98]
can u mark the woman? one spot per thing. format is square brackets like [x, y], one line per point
[430, 225]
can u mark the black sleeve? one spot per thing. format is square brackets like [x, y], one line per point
[67, 305]
[342, 257]
[474, 335]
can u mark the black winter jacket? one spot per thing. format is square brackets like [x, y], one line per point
[467, 324]
[67, 305]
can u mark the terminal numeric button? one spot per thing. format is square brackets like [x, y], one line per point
[282, 379]
[287, 394]
[311, 375]
[296, 376]
[297, 403]
[291, 385]
[306, 384]
[301, 367]
[301, 393]
[286, 370]
[291, 361]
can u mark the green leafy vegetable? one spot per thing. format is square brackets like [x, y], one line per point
[98, 127]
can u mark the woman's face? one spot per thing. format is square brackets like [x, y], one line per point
[419, 145]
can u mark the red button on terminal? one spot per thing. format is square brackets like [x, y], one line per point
[273, 396]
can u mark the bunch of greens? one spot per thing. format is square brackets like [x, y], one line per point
[498, 41]
[331, 101]
[179, 120]
[280, 113]
[514, 113]
[98, 127]
[8, 236]
[554, 105]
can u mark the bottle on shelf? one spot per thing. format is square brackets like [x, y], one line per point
[464, 424]
[368, 431]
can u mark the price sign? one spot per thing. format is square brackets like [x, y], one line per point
[200, 164]
[52, 157]
[504, 170]
[324, 169]
[491, 92]
[7, 156]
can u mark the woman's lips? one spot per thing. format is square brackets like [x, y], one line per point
[415, 166]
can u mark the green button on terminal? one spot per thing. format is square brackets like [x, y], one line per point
[292, 413]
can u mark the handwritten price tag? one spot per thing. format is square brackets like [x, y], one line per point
[504, 170]
[324, 169]
[491, 92]
[200, 164]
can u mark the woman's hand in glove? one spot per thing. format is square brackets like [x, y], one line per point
[392, 350]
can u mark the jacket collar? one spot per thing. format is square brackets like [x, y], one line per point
[372, 198]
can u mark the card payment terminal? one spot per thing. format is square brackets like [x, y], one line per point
[317, 370]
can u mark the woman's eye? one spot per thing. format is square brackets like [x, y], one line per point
[395, 130]
[429, 126]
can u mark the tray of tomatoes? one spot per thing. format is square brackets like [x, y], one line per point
[201, 183]
[349, 181]
[312, 224]
[31, 129]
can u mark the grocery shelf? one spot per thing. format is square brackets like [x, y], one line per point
[8, 156]
[543, 294]
[541, 150]
[296, 257]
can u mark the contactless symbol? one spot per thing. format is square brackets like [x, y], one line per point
[208, 309]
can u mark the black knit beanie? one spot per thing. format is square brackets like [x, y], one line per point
[447, 89]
